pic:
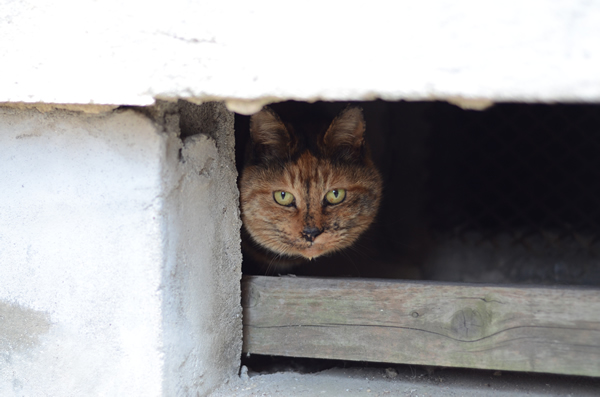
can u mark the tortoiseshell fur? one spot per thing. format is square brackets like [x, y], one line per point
[308, 166]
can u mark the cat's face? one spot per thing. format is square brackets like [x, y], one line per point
[300, 202]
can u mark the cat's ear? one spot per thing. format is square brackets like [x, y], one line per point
[270, 137]
[345, 136]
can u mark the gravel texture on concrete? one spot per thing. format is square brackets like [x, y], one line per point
[407, 381]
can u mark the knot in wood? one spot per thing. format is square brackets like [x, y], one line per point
[467, 324]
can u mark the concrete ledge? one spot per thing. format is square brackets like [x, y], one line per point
[112, 52]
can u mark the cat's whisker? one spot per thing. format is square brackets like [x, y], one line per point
[351, 260]
[368, 249]
[291, 195]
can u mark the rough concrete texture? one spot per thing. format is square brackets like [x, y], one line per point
[249, 52]
[408, 381]
[118, 255]
[202, 313]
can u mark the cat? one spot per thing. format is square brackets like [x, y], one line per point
[304, 192]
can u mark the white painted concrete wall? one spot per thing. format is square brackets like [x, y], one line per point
[111, 245]
[130, 52]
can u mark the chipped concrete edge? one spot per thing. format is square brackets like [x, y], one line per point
[242, 106]
[43, 107]
[249, 106]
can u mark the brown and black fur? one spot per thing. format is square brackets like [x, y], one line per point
[307, 162]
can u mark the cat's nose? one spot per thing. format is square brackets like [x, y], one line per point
[311, 232]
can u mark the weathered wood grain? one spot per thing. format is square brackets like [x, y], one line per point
[555, 330]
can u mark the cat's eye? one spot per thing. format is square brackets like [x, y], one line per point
[335, 196]
[283, 198]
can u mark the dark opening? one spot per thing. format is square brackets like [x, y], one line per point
[506, 195]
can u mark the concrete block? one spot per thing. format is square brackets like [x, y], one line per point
[119, 253]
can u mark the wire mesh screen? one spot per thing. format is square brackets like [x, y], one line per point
[524, 176]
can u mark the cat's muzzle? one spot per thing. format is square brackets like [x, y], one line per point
[310, 233]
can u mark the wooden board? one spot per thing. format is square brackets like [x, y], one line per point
[555, 330]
